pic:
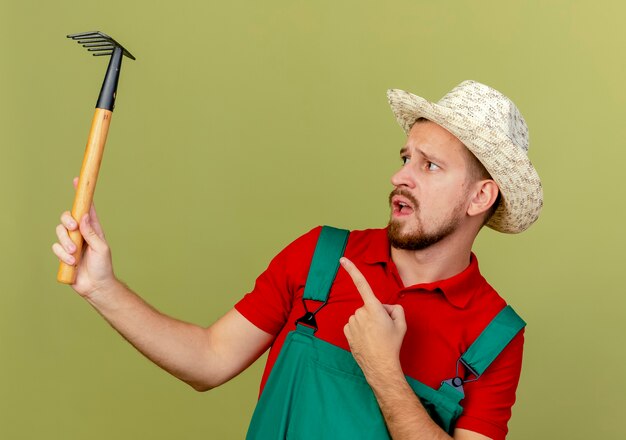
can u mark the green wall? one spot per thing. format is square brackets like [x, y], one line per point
[242, 125]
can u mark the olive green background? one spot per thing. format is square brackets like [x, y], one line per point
[242, 125]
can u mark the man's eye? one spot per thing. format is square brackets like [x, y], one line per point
[405, 160]
[432, 166]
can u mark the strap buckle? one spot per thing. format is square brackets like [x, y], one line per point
[457, 381]
[308, 318]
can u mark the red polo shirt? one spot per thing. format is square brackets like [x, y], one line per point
[443, 319]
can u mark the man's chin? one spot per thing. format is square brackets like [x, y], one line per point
[401, 236]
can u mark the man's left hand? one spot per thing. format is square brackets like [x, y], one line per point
[375, 332]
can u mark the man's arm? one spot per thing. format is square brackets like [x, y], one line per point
[202, 357]
[375, 333]
[404, 414]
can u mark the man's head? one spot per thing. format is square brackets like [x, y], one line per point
[441, 190]
[495, 133]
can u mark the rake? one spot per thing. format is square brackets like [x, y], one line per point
[99, 44]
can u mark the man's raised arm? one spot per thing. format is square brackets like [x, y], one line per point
[202, 357]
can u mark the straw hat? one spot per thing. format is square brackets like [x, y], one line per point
[492, 128]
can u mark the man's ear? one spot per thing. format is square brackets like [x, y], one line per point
[485, 194]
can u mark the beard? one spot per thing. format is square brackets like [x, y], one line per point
[418, 238]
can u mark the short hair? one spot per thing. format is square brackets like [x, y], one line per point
[477, 171]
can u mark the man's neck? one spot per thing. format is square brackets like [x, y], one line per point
[437, 262]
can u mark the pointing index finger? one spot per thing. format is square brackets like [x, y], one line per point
[359, 281]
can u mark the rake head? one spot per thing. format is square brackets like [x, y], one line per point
[99, 43]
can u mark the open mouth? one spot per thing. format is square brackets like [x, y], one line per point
[401, 206]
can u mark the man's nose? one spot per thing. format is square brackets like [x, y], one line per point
[403, 177]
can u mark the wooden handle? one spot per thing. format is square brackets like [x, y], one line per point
[86, 187]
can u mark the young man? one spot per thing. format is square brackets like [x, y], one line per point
[409, 304]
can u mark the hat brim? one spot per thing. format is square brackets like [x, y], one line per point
[508, 165]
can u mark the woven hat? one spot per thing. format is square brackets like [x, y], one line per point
[493, 129]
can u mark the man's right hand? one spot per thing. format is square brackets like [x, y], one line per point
[95, 269]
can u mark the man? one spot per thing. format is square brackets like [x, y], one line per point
[409, 303]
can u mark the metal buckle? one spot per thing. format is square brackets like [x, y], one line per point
[457, 382]
[308, 318]
[468, 368]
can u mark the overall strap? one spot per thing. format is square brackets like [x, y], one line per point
[484, 350]
[325, 263]
[324, 266]
[497, 335]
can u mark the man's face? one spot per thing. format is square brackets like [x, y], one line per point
[430, 197]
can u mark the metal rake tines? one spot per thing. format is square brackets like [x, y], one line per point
[98, 43]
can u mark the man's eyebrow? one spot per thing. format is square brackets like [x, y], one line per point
[427, 156]
[432, 157]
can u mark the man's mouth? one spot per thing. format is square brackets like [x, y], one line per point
[401, 206]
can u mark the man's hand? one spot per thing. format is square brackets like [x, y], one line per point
[375, 332]
[95, 269]
[202, 357]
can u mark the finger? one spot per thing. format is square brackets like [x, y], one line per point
[62, 254]
[346, 331]
[359, 281]
[68, 221]
[65, 240]
[358, 313]
[91, 237]
[95, 221]
[396, 311]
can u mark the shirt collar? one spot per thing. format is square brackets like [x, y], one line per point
[458, 289]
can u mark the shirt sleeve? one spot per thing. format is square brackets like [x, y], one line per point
[488, 402]
[268, 305]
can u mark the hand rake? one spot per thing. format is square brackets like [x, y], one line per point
[100, 45]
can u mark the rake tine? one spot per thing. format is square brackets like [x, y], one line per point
[85, 37]
[100, 40]
[90, 40]
[97, 44]
[82, 34]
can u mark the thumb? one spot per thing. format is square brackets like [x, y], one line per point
[91, 237]
[396, 313]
